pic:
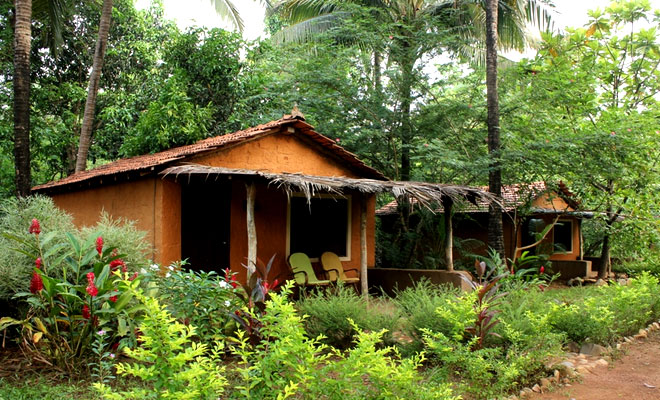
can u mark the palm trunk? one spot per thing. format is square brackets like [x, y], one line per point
[378, 86]
[94, 78]
[495, 229]
[22, 43]
[407, 66]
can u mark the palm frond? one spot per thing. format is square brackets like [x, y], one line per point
[53, 14]
[227, 10]
[309, 29]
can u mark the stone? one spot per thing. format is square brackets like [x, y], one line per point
[567, 365]
[573, 347]
[622, 281]
[536, 388]
[619, 346]
[575, 282]
[583, 369]
[544, 383]
[581, 356]
[557, 375]
[642, 334]
[600, 282]
[602, 362]
[592, 349]
[627, 339]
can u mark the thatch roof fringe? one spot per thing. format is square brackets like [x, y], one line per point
[424, 193]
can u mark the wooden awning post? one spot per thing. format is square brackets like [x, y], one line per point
[447, 204]
[363, 246]
[251, 229]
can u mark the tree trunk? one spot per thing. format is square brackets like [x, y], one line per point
[604, 262]
[378, 86]
[407, 64]
[495, 230]
[363, 247]
[93, 89]
[447, 204]
[22, 42]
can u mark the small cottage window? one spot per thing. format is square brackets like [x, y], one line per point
[319, 226]
[563, 236]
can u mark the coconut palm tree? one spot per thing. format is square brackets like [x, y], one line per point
[495, 230]
[412, 17]
[51, 11]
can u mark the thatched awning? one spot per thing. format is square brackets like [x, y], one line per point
[423, 193]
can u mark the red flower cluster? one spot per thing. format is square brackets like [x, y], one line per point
[233, 280]
[35, 227]
[91, 288]
[542, 269]
[36, 284]
[114, 264]
[113, 298]
[99, 245]
[268, 286]
[37, 263]
[85, 312]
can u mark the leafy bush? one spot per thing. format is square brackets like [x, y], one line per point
[329, 313]
[15, 217]
[168, 361]
[65, 312]
[202, 299]
[290, 364]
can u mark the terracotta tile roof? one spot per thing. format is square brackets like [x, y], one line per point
[149, 163]
[513, 196]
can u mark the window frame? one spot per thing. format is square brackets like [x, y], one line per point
[349, 205]
[554, 248]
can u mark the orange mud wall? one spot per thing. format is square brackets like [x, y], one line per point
[154, 205]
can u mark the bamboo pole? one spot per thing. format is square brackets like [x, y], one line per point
[447, 204]
[363, 246]
[251, 228]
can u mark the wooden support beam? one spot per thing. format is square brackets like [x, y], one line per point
[251, 228]
[363, 246]
[447, 204]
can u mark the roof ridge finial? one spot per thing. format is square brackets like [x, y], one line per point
[295, 112]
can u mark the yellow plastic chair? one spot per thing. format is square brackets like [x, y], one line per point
[303, 273]
[335, 270]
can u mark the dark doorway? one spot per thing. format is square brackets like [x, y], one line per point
[205, 230]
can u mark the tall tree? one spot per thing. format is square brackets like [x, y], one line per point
[495, 230]
[93, 89]
[22, 41]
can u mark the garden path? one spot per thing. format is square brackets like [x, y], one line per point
[633, 376]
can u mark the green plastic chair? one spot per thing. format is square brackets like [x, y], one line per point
[303, 273]
[335, 270]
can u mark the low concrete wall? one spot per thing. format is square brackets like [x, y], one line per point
[389, 279]
[572, 269]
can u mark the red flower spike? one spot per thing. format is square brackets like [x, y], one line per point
[114, 264]
[113, 298]
[36, 284]
[99, 245]
[542, 269]
[132, 278]
[35, 227]
[91, 288]
[37, 263]
[85, 312]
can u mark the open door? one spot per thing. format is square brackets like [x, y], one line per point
[205, 224]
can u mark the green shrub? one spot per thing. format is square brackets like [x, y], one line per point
[419, 304]
[290, 364]
[16, 215]
[16, 259]
[202, 299]
[168, 361]
[329, 313]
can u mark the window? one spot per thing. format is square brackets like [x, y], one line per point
[319, 226]
[563, 236]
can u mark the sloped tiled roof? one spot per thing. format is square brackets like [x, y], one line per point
[513, 196]
[156, 162]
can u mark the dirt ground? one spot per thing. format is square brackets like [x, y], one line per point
[633, 376]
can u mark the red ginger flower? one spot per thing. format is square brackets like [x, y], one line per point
[234, 282]
[113, 298]
[85, 312]
[35, 227]
[37, 283]
[114, 264]
[37, 263]
[542, 269]
[99, 245]
[91, 288]
[268, 286]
